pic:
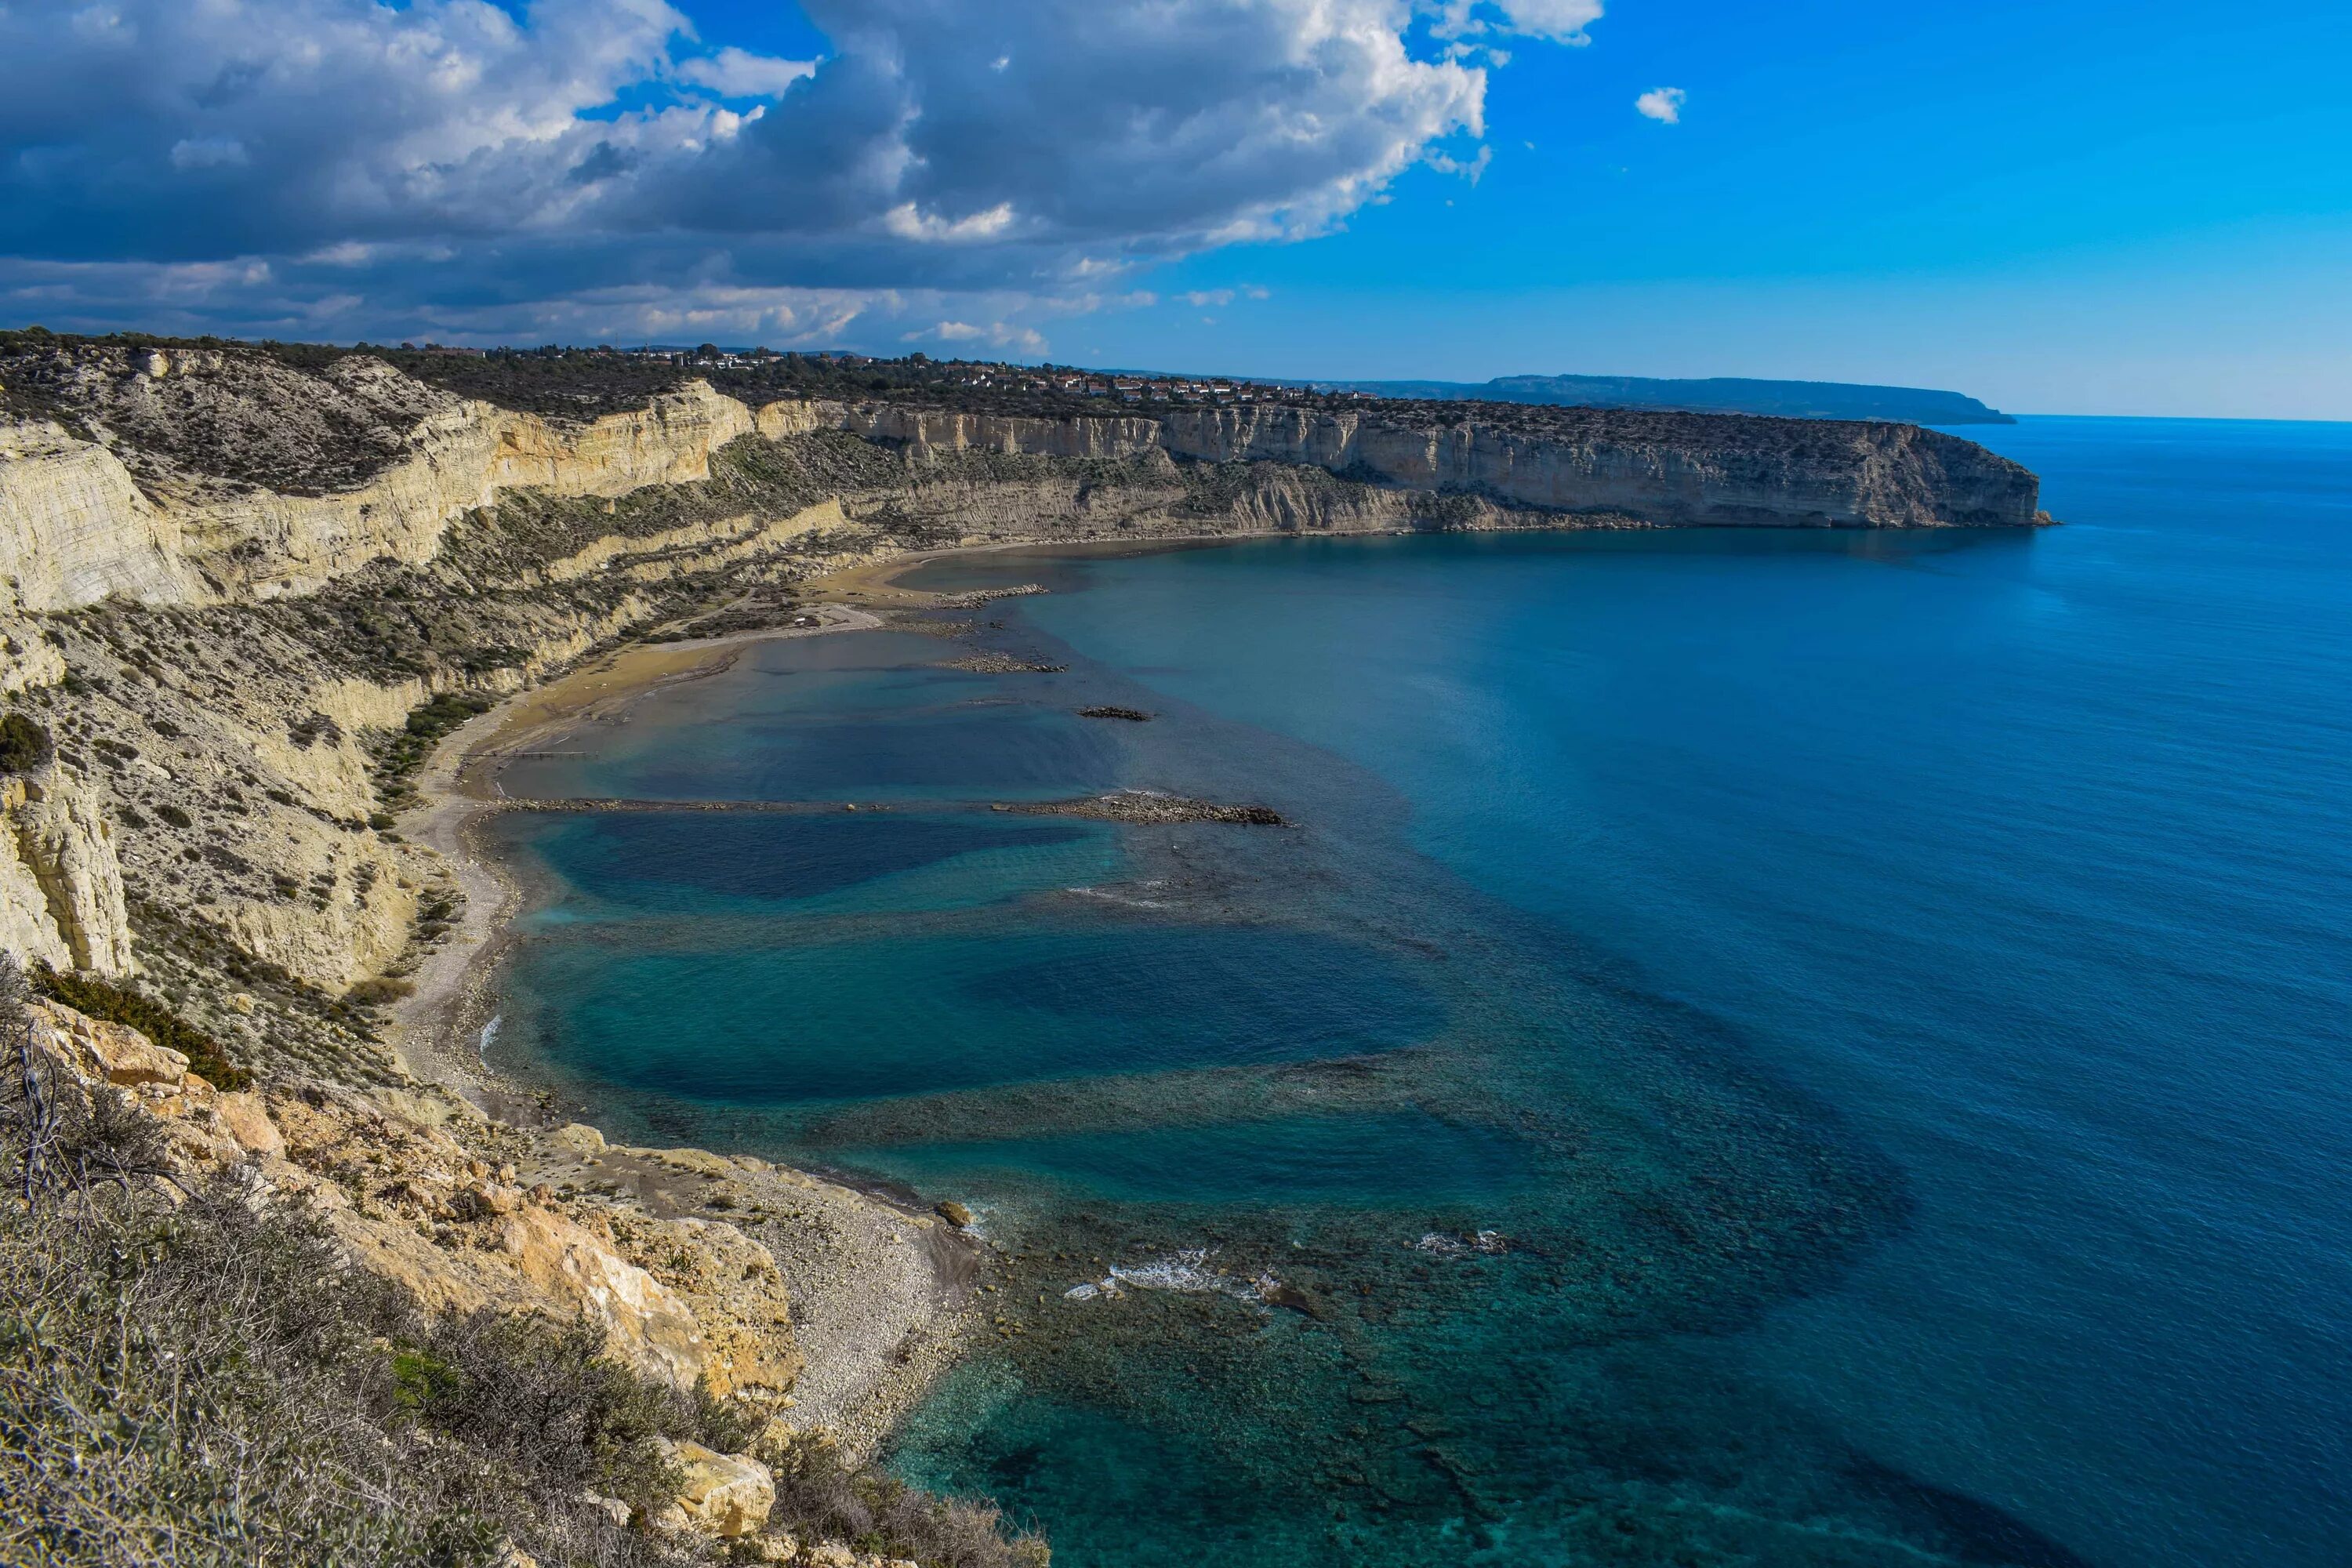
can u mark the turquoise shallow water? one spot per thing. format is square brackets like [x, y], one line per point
[1764, 1047]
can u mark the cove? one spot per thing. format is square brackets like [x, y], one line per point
[1773, 1048]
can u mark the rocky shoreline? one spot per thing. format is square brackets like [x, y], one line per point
[253, 594]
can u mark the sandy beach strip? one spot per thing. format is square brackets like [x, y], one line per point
[882, 1290]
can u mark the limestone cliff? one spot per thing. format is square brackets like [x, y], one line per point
[62, 899]
[930, 430]
[176, 522]
[1667, 468]
[1671, 468]
[203, 476]
[74, 529]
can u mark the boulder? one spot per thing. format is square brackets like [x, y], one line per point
[124, 1055]
[734, 1291]
[246, 1120]
[700, 1161]
[725, 1494]
[577, 1270]
[578, 1137]
[479, 1199]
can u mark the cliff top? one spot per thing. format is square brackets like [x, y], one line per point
[308, 419]
[228, 412]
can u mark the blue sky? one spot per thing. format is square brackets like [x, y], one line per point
[2068, 205]
[2075, 205]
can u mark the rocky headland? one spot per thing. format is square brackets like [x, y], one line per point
[258, 607]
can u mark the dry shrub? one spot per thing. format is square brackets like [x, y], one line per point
[819, 1497]
[196, 1376]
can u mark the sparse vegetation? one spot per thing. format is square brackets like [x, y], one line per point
[117, 1005]
[204, 1382]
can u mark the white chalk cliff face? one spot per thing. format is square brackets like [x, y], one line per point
[77, 527]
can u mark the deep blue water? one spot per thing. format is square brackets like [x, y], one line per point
[1884, 995]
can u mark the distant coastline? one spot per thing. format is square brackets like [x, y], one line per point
[1710, 395]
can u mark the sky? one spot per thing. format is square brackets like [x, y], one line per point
[2058, 206]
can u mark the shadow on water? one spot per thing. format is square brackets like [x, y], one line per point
[1977, 1531]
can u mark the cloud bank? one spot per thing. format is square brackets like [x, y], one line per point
[593, 168]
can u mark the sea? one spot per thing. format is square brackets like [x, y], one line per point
[1753, 1047]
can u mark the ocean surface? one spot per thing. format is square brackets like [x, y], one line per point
[1758, 1047]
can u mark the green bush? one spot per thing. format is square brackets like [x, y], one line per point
[174, 816]
[405, 750]
[24, 744]
[379, 991]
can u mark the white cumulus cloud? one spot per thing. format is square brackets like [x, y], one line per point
[996, 334]
[908, 222]
[1663, 104]
[739, 73]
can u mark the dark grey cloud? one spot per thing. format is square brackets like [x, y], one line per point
[322, 164]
